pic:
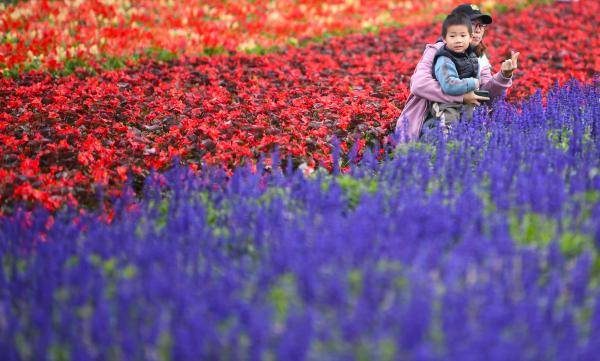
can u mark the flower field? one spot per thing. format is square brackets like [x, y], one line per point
[222, 181]
[53, 35]
[482, 243]
[60, 136]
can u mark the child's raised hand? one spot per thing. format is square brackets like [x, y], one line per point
[509, 65]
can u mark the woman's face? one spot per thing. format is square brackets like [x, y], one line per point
[478, 31]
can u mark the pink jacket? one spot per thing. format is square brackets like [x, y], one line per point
[424, 88]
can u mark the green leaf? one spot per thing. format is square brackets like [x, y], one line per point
[282, 295]
[532, 229]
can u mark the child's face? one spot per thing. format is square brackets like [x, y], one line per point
[457, 38]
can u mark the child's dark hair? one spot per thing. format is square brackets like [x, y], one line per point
[456, 19]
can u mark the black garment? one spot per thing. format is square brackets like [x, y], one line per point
[474, 13]
[467, 63]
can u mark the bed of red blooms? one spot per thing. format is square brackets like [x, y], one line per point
[60, 136]
[51, 34]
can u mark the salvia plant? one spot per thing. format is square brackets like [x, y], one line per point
[482, 243]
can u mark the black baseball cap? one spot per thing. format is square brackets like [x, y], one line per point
[473, 12]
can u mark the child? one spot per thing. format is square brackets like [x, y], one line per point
[456, 68]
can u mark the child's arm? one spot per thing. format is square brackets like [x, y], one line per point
[446, 74]
[422, 82]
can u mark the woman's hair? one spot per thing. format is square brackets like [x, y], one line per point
[456, 19]
[480, 48]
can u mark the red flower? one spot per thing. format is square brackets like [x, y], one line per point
[60, 136]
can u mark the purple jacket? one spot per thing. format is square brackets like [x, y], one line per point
[424, 88]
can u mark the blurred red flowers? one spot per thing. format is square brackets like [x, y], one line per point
[42, 34]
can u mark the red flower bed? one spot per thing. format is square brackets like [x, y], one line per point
[60, 136]
[47, 34]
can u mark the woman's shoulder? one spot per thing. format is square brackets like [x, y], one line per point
[437, 45]
[432, 49]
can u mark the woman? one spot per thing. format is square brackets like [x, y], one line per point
[424, 88]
